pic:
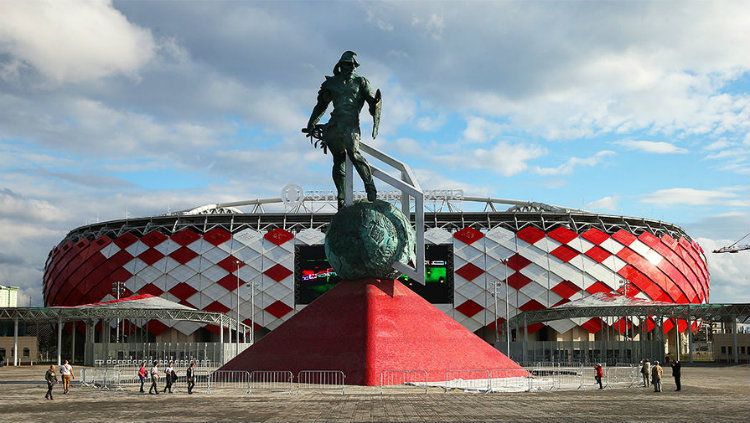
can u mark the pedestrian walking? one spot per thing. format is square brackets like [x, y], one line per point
[154, 377]
[51, 379]
[676, 374]
[656, 374]
[646, 372]
[191, 377]
[168, 372]
[599, 375]
[66, 372]
[142, 373]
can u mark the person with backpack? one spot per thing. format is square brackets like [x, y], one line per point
[51, 379]
[191, 377]
[599, 375]
[142, 374]
[168, 373]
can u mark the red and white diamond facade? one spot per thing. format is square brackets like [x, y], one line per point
[200, 261]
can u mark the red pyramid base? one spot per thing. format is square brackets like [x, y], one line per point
[368, 326]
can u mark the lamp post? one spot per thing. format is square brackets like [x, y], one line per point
[625, 284]
[237, 344]
[117, 289]
[507, 323]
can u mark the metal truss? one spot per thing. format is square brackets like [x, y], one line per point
[710, 312]
[66, 314]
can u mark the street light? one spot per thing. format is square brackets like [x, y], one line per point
[117, 289]
[625, 284]
[237, 344]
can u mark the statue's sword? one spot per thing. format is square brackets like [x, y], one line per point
[316, 136]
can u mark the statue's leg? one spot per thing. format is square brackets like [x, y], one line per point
[363, 168]
[339, 175]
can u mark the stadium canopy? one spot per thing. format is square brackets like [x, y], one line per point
[145, 307]
[613, 305]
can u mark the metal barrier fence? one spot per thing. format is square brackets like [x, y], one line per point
[271, 381]
[229, 379]
[403, 381]
[321, 381]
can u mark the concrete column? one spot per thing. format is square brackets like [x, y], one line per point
[525, 337]
[690, 338]
[676, 339]
[221, 340]
[735, 348]
[73, 343]
[59, 341]
[15, 341]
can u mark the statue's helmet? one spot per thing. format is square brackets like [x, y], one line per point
[348, 57]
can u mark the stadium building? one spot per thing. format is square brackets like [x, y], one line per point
[485, 262]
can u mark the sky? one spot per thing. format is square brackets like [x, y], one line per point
[138, 107]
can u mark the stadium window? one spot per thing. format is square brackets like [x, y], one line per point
[723, 349]
[742, 349]
[26, 352]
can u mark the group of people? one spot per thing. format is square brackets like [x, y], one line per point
[653, 373]
[66, 372]
[170, 377]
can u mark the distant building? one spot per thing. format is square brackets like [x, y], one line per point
[8, 296]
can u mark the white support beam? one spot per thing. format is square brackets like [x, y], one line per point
[59, 341]
[15, 342]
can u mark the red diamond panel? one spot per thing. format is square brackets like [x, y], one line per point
[278, 236]
[532, 305]
[535, 327]
[185, 237]
[125, 240]
[624, 237]
[561, 302]
[469, 308]
[278, 272]
[151, 289]
[469, 271]
[650, 324]
[150, 256]
[278, 309]
[230, 264]
[183, 291]
[216, 307]
[530, 234]
[153, 238]
[518, 280]
[156, 327]
[255, 324]
[562, 235]
[468, 235]
[183, 255]
[565, 289]
[592, 325]
[518, 262]
[668, 325]
[598, 286]
[622, 324]
[595, 236]
[597, 253]
[217, 236]
[229, 282]
[564, 253]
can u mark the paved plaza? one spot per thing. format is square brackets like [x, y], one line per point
[715, 394]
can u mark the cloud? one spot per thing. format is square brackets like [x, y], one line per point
[15, 205]
[655, 147]
[717, 145]
[73, 41]
[481, 130]
[503, 158]
[608, 203]
[730, 282]
[430, 123]
[689, 197]
[573, 162]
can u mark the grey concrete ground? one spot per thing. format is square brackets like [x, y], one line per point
[720, 394]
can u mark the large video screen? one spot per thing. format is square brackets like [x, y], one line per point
[314, 276]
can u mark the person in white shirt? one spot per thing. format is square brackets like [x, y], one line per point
[168, 377]
[154, 377]
[66, 370]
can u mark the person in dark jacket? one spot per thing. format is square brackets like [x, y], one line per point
[191, 377]
[676, 374]
[51, 379]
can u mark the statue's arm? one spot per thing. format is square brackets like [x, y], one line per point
[320, 108]
[369, 94]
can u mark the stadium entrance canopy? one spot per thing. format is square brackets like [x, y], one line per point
[144, 307]
[611, 305]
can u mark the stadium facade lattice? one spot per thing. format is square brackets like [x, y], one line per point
[545, 255]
